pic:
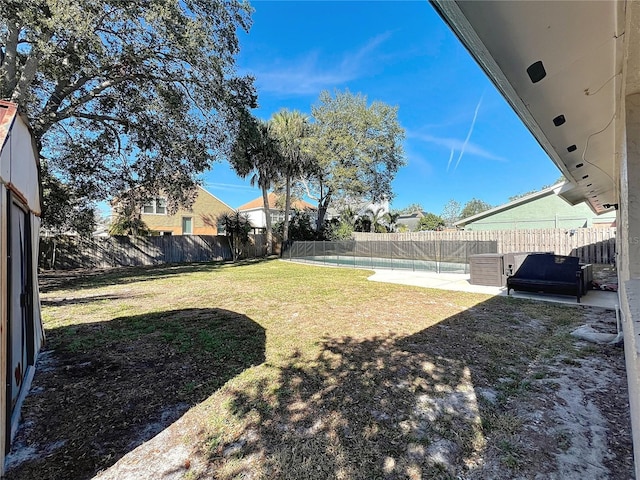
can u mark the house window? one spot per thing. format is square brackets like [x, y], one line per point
[187, 227]
[156, 206]
[277, 217]
[161, 206]
[222, 228]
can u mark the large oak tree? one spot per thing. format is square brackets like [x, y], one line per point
[357, 150]
[126, 93]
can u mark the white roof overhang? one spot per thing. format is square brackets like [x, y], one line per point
[560, 66]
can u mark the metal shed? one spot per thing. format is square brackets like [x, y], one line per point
[21, 331]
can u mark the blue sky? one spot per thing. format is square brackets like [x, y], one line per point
[462, 139]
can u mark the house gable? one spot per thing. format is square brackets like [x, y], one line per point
[410, 220]
[203, 213]
[255, 210]
[543, 211]
[258, 204]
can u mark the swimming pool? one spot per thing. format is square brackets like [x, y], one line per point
[388, 263]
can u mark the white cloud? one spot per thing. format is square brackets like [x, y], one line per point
[466, 140]
[310, 75]
[456, 144]
[450, 158]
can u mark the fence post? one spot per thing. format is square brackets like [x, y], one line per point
[413, 256]
[324, 252]
[354, 255]
[370, 255]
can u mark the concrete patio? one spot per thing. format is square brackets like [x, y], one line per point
[461, 282]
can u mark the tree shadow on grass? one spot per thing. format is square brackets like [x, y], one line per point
[438, 404]
[102, 389]
[59, 302]
[51, 281]
[364, 409]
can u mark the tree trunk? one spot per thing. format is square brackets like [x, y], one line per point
[323, 204]
[53, 255]
[287, 208]
[9, 62]
[232, 245]
[267, 218]
[29, 70]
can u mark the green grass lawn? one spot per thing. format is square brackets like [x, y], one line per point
[293, 371]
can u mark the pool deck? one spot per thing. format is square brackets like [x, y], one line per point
[461, 282]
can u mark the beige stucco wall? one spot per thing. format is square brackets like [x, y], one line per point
[204, 214]
[629, 257]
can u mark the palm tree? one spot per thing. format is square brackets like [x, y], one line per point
[348, 217]
[128, 219]
[377, 216]
[128, 225]
[392, 219]
[255, 152]
[237, 227]
[291, 129]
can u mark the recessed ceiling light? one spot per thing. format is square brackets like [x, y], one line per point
[572, 148]
[559, 120]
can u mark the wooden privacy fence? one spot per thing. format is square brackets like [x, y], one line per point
[592, 245]
[67, 252]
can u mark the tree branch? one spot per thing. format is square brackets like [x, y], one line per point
[10, 60]
[101, 118]
[29, 71]
[53, 117]
[308, 190]
[63, 89]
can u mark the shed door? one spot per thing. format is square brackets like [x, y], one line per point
[20, 332]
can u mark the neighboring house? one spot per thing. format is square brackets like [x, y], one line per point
[255, 210]
[409, 221]
[200, 219]
[543, 209]
[21, 331]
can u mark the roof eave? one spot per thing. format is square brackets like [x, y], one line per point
[554, 189]
[519, 24]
